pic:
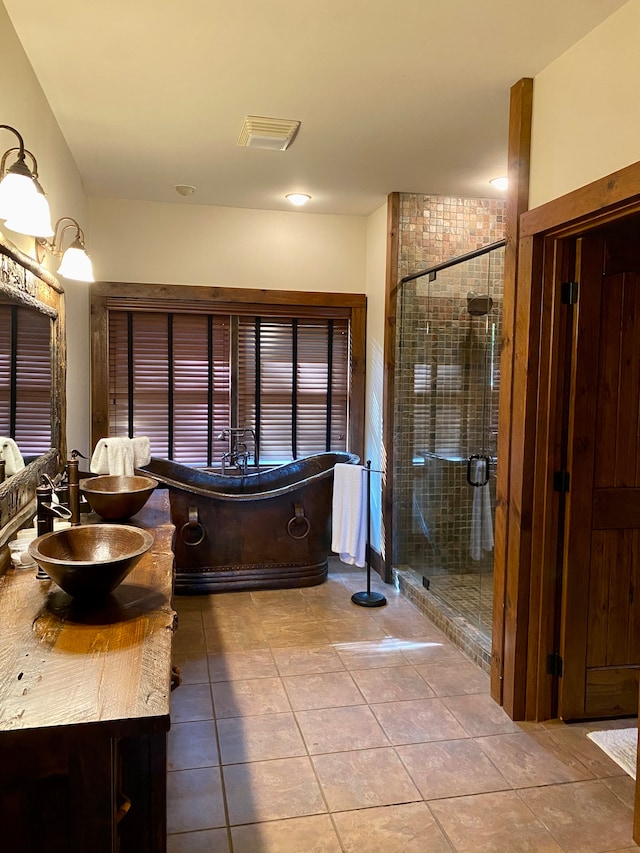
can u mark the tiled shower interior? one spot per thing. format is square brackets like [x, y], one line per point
[449, 327]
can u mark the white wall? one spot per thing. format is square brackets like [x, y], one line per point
[23, 106]
[586, 122]
[152, 242]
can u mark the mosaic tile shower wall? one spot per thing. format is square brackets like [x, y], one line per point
[447, 381]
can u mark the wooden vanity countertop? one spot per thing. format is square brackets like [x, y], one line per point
[62, 664]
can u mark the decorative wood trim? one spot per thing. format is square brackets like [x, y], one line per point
[388, 394]
[192, 297]
[506, 593]
[545, 252]
[24, 281]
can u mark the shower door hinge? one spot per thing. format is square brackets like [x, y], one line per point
[554, 664]
[561, 480]
[569, 292]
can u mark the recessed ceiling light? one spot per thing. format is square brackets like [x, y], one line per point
[499, 183]
[298, 198]
[185, 189]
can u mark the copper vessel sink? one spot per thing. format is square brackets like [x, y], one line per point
[90, 560]
[117, 497]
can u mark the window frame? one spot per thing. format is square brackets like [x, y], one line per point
[106, 296]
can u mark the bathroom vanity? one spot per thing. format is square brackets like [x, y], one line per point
[84, 708]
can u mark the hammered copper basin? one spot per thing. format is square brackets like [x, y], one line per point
[90, 560]
[117, 497]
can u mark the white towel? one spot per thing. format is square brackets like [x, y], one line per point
[141, 451]
[349, 516]
[12, 457]
[113, 455]
[481, 519]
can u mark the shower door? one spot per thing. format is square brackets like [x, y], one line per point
[447, 394]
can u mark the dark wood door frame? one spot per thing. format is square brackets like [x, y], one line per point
[529, 598]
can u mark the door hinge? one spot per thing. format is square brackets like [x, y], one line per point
[561, 481]
[569, 292]
[554, 664]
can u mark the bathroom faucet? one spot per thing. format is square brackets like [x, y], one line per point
[46, 509]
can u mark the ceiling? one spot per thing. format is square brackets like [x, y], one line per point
[393, 95]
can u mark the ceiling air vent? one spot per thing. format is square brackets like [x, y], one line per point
[274, 134]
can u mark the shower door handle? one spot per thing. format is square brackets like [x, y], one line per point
[470, 466]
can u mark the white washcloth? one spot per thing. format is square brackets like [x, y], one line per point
[481, 519]
[12, 457]
[141, 451]
[113, 455]
[349, 516]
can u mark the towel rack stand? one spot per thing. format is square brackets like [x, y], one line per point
[369, 598]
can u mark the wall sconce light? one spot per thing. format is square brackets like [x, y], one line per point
[23, 205]
[75, 262]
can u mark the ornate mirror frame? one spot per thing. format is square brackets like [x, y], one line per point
[25, 282]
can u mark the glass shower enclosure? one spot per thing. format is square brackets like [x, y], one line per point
[447, 385]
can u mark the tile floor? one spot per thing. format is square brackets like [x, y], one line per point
[307, 724]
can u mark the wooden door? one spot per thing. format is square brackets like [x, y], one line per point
[600, 624]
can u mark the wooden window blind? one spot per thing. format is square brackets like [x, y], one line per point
[181, 378]
[25, 378]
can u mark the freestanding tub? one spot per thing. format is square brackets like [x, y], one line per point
[269, 530]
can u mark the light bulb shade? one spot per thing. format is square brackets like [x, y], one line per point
[76, 264]
[298, 198]
[17, 191]
[32, 218]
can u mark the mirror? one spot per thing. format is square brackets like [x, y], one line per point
[32, 296]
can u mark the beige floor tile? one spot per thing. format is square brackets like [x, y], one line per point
[294, 634]
[493, 823]
[305, 660]
[189, 618]
[364, 778]
[191, 702]
[459, 680]
[368, 654]
[393, 683]
[189, 603]
[304, 834]
[624, 787]
[217, 607]
[188, 640]
[194, 800]
[405, 625]
[193, 667]
[233, 666]
[192, 745]
[340, 729]
[574, 739]
[259, 738]
[451, 768]
[480, 715]
[350, 629]
[408, 828]
[526, 759]
[322, 690]
[297, 610]
[206, 841]
[418, 721]
[432, 648]
[249, 696]
[249, 636]
[276, 597]
[585, 816]
[272, 790]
